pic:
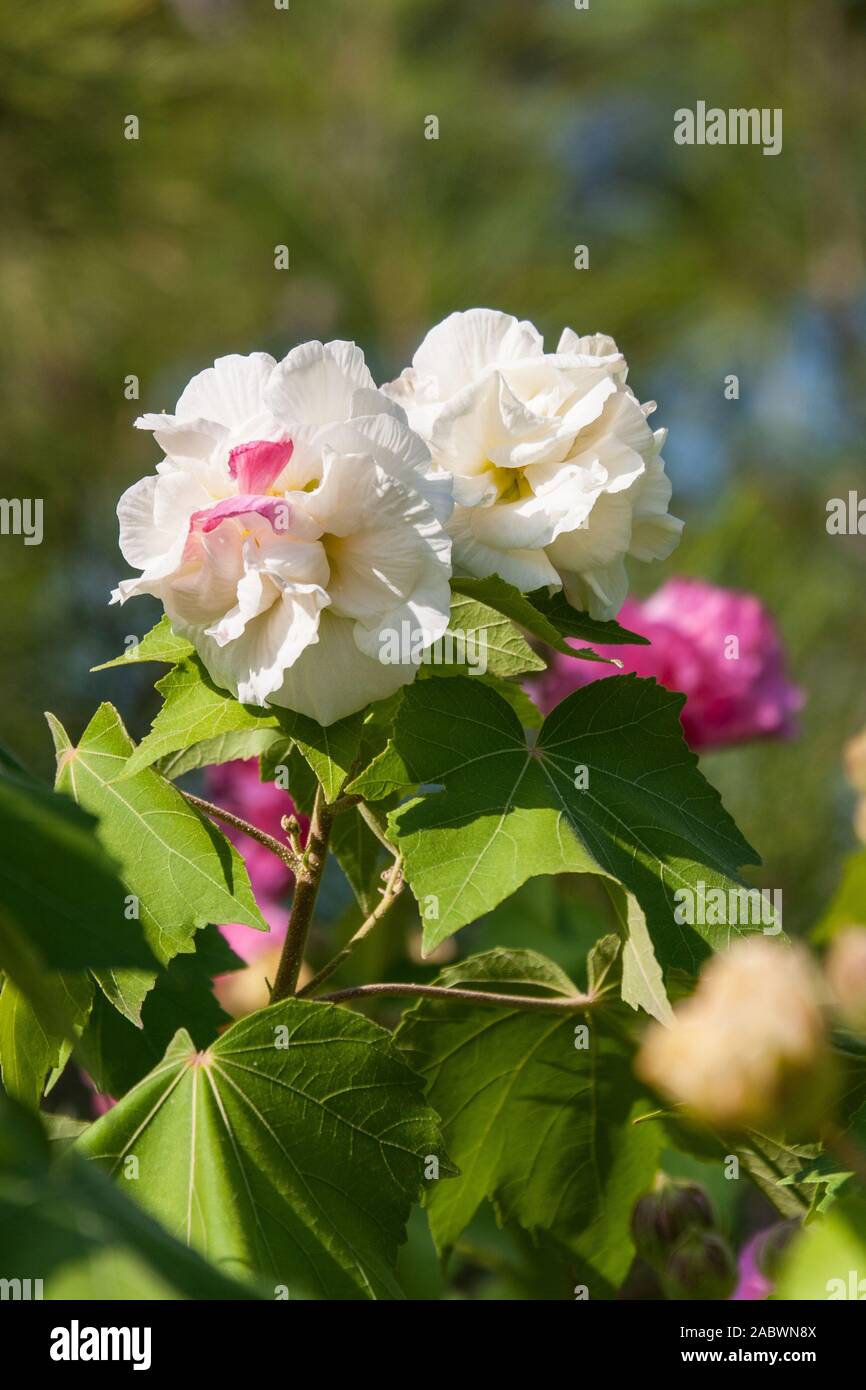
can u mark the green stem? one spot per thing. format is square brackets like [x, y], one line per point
[308, 877]
[393, 888]
[486, 998]
[373, 822]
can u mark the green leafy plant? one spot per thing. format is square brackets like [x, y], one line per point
[288, 1148]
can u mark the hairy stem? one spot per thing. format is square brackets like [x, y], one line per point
[308, 877]
[392, 890]
[483, 997]
[284, 852]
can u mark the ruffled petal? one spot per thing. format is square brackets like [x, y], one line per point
[464, 345]
[230, 393]
[316, 382]
[333, 678]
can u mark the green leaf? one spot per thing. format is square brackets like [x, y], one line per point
[848, 906]
[643, 985]
[646, 817]
[330, 752]
[539, 1126]
[359, 855]
[246, 743]
[181, 869]
[825, 1175]
[61, 900]
[285, 765]
[65, 1223]
[827, 1172]
[827, 1259]
[514, 695]
[160, 644]
[488, 639]
[293, 1148]
[118, 1054]
[31, 1045]
[550, 619]
[195, 711]
[570, 622]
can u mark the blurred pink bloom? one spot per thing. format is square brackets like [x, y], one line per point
[236, 787]
[100, 1102]
[752, 1285]
[719, 647]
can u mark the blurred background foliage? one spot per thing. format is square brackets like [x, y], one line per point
[304, 127]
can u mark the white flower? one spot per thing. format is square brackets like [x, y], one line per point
[293, 523]
[749, 1048]
[557, 475]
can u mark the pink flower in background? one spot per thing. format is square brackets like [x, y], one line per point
[719, 647]
[760, 1260]
[752, 1284]
[236, 787]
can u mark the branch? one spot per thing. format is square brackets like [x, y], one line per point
[367, 815]
[284, 852]
[392, 890]
[471, 996]
[307, 881]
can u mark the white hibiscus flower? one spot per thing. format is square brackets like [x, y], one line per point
[291, 528]
[557, 475]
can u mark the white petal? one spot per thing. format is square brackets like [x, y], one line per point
[601, 592]
[332, 678]
[655, 533]
[595, 345]
[403, 454]
[464, 345]
[231, 392]
[315, 383]
[206, 585]
[254, 666]
[527, 569]
[141, 540]
[481, 424]
[368, 401]
[529, 524]
[154, 521]
[655, 537]
[605, 536]
[194, 439]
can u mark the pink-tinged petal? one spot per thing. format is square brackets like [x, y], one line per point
[274, 509]
[257, 465]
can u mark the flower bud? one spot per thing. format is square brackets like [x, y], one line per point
[846, 975]
[702, 1266]
[749, 1049]
[662, 1217]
